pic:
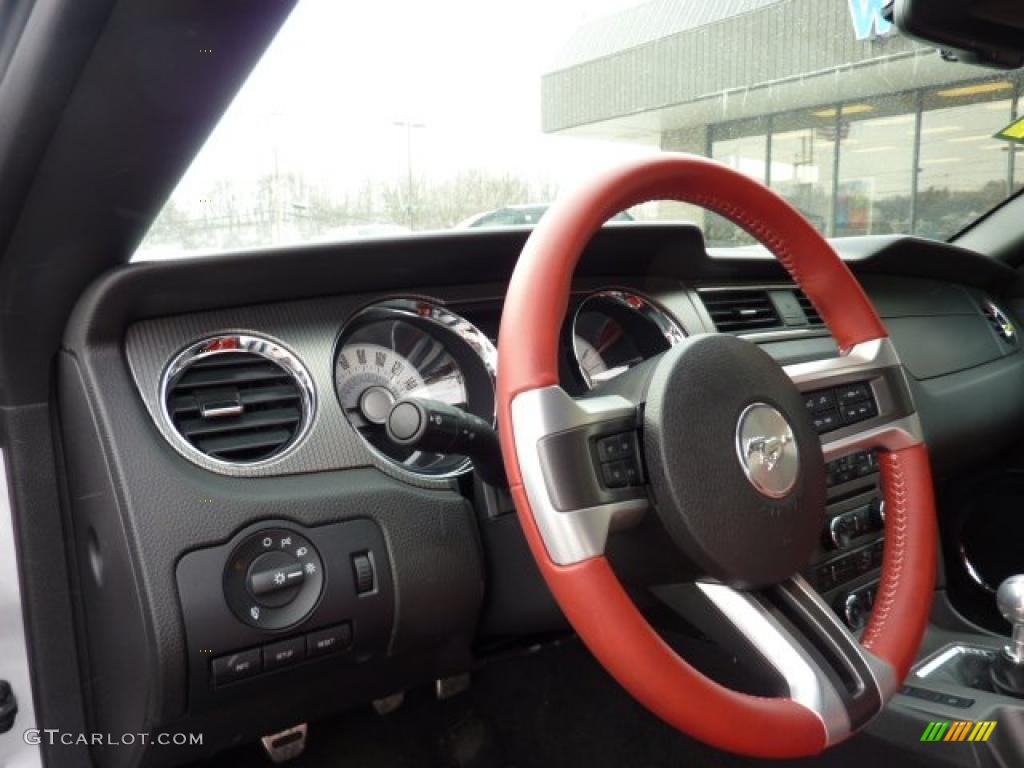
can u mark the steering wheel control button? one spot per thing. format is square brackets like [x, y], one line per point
[615, 447]
[237, 666]
[834, 408]
[284, 653]
[614, 474]
[854, 393]
[767, 450]
[819, 402]
[331, 640]
[362, 573]
[616, 460]
[273, 579]
[827, 421]
[859, 411]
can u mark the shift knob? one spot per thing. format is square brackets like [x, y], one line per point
[1010, 599]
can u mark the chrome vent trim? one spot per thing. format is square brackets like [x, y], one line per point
[813, 318]
[237, 401]
[1000, 322]
[738, 310]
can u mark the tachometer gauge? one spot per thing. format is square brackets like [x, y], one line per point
[614, 330]
[590, 360]
[403, 349]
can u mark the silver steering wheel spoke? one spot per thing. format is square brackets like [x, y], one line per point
[890, 421]
[793, 631]
[582, 468]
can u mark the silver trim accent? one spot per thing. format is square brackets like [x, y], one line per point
[763, 432]
[808, 686]
[13, 645]
[449, 321]
[253, 344]
[287, 744]
[862, 361]
[893, 436]
[972, 572]
[216, 412]
[1006, 330]
[635, 302]
[574, 535]
[944, 656]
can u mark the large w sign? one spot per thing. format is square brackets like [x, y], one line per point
[867, 18]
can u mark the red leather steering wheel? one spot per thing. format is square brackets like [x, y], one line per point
[716, 413]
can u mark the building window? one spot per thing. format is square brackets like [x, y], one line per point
[743, 146]
[803, 162]
[963, 171]
[876, 148]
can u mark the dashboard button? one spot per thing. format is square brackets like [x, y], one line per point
[284, 653]
[362, 573]
[275, 578]
[237, 666]
[331, 640]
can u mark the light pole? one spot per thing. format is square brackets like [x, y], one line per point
[409, 126]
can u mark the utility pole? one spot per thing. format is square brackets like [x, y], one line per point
[409, 208]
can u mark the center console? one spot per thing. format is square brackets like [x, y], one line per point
[847, 562]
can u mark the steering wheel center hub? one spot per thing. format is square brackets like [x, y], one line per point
[736, 466]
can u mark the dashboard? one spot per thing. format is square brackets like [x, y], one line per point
[268, 551]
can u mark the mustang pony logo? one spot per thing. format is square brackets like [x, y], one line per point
[766, 451]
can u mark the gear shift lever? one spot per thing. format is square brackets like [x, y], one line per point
[1008, 668]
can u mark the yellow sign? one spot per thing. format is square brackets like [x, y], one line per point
[1013, 132]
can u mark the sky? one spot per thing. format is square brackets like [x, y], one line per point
[325, 98]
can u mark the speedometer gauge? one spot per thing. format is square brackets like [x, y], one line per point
[370, 378]
[411, 349]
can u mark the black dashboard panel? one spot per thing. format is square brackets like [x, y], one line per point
[139, 510]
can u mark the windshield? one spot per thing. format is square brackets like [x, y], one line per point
[379, 119]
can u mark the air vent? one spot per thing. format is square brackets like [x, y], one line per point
[736, 311]
[238, 399]
[813, 318]
[1000, 323]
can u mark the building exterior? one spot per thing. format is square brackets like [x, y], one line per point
[865, 131]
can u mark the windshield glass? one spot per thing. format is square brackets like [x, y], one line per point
[378, 119]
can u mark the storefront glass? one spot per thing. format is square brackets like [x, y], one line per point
[963, 171]
[803, 163]
[875, 167]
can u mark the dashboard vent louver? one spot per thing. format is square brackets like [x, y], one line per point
[1000, 323]
[236, 406]
[736, 311]
[813, 318]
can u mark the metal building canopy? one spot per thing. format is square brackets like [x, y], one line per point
[644, 24]
[669, 64]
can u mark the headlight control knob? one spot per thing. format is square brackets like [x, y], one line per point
[273, 579]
